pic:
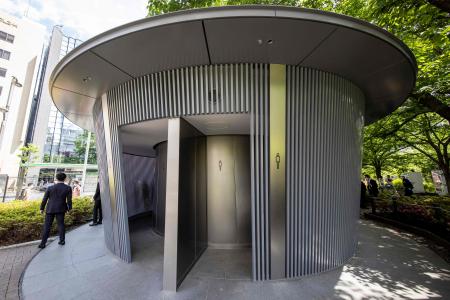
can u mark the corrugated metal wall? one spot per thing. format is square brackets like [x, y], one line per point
[324, 122]
[103, 177]
[216, 89]
[259, 134]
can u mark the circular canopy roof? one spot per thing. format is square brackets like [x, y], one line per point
[380, 64]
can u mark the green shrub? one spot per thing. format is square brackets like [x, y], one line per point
[431, 212]
[398, 183]
[429, 187]
[21, 221]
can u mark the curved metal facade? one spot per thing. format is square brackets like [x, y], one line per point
[324, 118]
[323, 143]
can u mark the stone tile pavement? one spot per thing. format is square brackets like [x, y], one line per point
[12, 263]
[388, 264]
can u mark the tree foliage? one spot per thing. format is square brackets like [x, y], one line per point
[28, 154]
[379, 153]
[81, 145]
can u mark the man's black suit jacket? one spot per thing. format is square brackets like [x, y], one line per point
[97, 197]
[57, 198]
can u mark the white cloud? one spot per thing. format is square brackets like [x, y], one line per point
[80, 18]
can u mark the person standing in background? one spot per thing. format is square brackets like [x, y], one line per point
[407, 184]
[56, 202]
[76, 190]
[372, 186]
[97, 215]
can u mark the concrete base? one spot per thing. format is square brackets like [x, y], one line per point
[388, 265]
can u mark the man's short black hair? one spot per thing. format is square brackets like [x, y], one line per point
[61, 176]
[367, 176]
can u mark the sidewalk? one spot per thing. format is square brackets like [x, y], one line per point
[13, 261]
[389, 264]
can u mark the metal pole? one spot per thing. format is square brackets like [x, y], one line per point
[86, 156]
[6, 188]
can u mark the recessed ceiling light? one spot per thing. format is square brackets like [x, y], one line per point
[259, 41]
[87, 78]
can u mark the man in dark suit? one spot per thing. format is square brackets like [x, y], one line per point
[97, 217]
[58, 199]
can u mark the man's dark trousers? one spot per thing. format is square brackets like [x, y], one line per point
[48, 226]
[97, 211]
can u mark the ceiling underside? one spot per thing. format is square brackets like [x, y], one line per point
[377, 62]
[140, 138]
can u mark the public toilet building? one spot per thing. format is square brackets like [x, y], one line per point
[235, 128]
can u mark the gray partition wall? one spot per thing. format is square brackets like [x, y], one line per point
[192, 226]
[160, 188]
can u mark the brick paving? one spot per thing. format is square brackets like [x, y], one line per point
[12, 263]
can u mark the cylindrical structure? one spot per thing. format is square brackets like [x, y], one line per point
[228, 183]
[317, 212]
[324, 115]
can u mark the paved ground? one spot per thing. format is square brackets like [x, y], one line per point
[13, 262]
[387, 265]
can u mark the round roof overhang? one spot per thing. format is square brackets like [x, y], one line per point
[380, 64]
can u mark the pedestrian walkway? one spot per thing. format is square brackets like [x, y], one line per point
[13, 262]
[388, 265]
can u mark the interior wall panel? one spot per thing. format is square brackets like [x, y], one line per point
[139, 183]
[228, 185]
[324, 123]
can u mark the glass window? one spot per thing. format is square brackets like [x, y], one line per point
[6, 37]
[2, 72]
[1, 89]
[5, 54]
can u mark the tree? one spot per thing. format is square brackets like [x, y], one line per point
[157, 7]
[423, 25]
[27, 155]
[380, 153]
[80, 147]
[429, 134]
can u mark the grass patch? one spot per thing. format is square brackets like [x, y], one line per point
[21, 221]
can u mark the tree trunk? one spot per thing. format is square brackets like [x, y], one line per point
[378, 172]
[433, 104]
[446, 174]
[20, 181]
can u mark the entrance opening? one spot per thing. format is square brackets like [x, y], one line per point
[140, 167]
[223, 152]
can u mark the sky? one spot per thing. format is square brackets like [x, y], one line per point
[81, 19]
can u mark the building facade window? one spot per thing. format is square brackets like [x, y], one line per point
[2, 72]
[65, 142]
[6, 37]
[5, 54]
